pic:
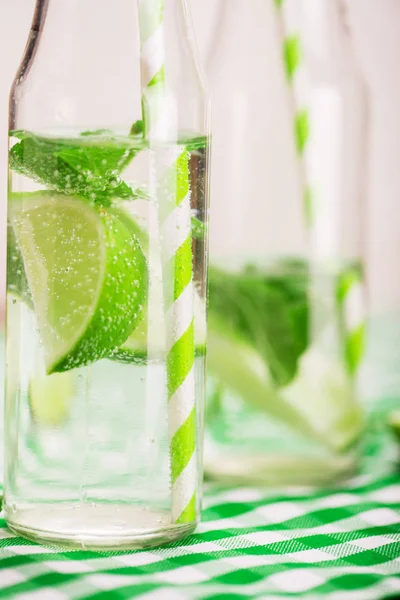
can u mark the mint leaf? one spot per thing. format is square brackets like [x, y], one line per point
[20, 134]
[95, 161]
[269, 312]
[90, 170]
[137, 128]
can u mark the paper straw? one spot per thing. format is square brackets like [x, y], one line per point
[289, 17]
[173, 195]
[318, 143]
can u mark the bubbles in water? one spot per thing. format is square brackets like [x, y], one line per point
[112, 387]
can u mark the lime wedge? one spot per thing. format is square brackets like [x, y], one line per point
[318, 404]
[87, 276]
[136, 348]
[141, 344]
[17, 284]
[22, 351]
[50, 398]
[130, 221]
[324, 395]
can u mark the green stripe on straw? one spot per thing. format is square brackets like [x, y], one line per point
[183, 446]
[180, 360]
[292, 55]
[355, 342]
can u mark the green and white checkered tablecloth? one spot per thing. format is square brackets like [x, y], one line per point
[341, 544]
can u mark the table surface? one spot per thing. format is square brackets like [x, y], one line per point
[342, 544]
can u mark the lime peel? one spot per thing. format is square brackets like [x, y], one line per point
[87, 275]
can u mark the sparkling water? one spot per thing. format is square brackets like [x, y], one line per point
[87, 448]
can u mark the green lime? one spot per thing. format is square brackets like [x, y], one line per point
[87, 276]
[50, 397]
[142, 344]
[22, 351]
[17, 284]
[120, 210]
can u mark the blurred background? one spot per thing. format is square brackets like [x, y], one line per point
[375, 29]
[375, 26]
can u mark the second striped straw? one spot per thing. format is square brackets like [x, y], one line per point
[319, 146]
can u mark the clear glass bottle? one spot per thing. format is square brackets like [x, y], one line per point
[103, 412]
[286, 327]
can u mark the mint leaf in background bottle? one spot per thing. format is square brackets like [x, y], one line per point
[270, 312]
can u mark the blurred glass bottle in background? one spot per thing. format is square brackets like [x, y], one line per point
[286, 321]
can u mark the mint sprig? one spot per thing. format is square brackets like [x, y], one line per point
[269, 312]
[89, 166]
[91, 170]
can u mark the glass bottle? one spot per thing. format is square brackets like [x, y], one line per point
[103, 448]
[286, 328]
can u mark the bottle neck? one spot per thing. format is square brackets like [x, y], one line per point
[51, 14]
[72, 23]
[88, 32]
[82, 65]
[39, 15]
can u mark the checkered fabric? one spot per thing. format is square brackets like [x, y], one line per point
[343, 544]
[340, 544]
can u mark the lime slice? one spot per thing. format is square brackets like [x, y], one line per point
[130, 221]
[22, 352]
[136, 348]
[50, 398]
[87, 276]
[324, 395]
[142, 345]
[17, 284]
[318, 404]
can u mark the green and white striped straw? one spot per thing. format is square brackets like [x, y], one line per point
[289, 12]
[173, 196]
[312, 114]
